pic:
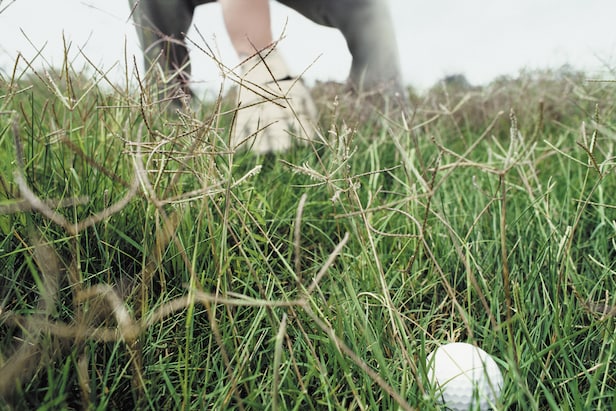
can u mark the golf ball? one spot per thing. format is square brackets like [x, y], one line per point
[465, 377]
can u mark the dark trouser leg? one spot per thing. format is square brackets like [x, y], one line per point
[367, 27]
[161, 26]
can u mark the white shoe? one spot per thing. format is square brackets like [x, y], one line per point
[274, 109]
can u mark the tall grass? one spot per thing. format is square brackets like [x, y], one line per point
[143, 265]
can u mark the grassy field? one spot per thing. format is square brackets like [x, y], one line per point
[145, 266]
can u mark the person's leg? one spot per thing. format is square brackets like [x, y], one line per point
[248, 24]
[161, 26]
[273, 107]
[368, 30]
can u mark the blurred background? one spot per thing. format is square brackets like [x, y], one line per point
[480, 39]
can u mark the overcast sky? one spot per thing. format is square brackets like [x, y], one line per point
[479, 38]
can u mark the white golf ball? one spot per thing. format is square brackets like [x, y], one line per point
[465, 377]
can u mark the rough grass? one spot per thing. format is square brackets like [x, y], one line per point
[144, 266]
